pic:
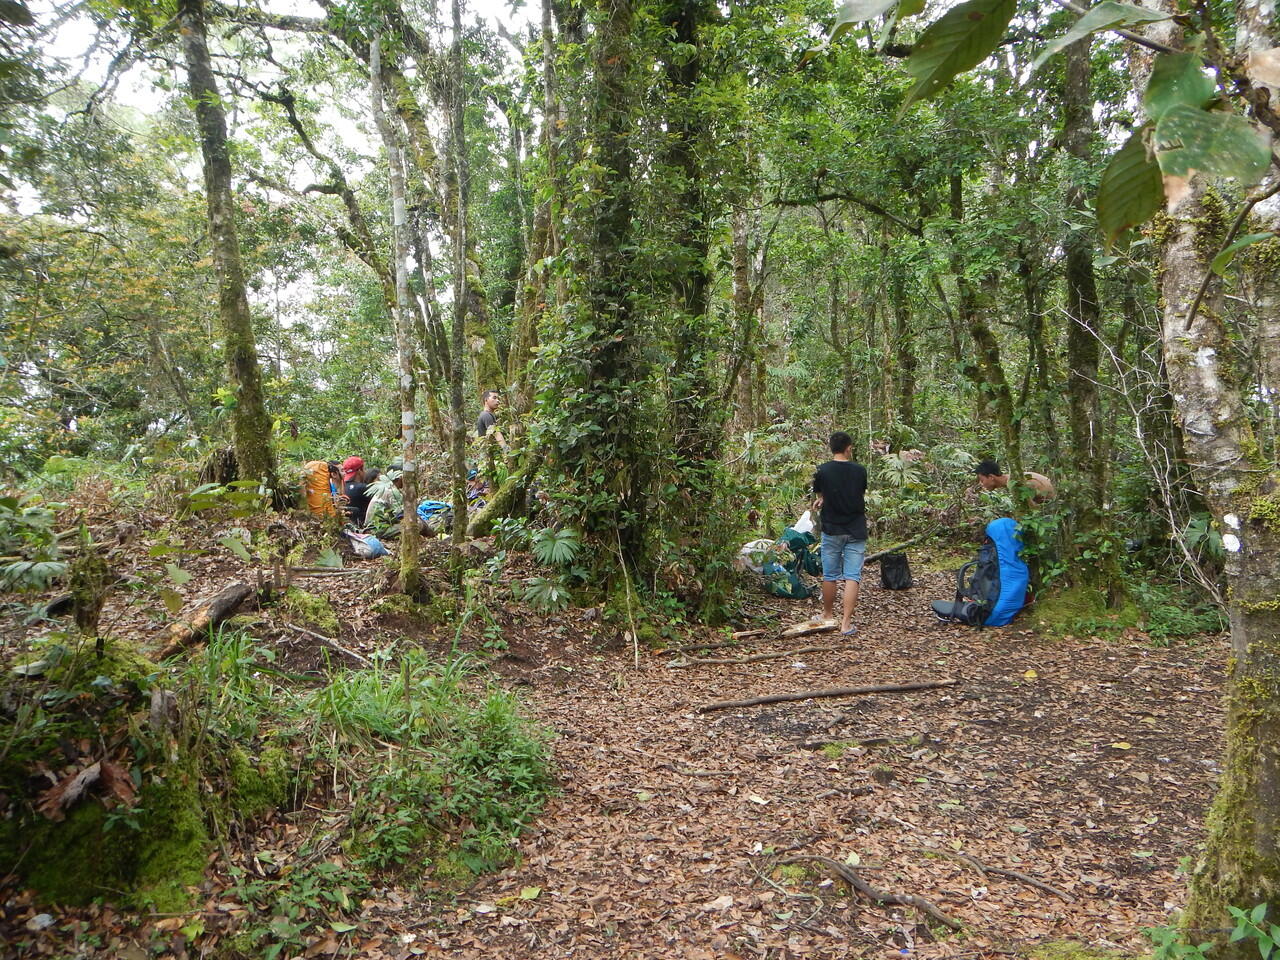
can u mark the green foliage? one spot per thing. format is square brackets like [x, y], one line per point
[31, 557]
[546, 594]
[1103, 16]
[958, 40]
[1189, 139]
[556, 548]
[1130, 191]
[1170, 942]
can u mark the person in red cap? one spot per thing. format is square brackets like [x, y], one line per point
[354, 488]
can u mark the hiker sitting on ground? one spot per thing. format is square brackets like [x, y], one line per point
[488, 420]
[320, 484]
[990, 478]
[354, 489]
[841, 486]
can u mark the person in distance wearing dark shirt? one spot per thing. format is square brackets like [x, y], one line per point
[840, 486]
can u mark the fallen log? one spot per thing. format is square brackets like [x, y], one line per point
[884, 897]
[756, 658]
[207, 614]
[832, 692]
[804, 629]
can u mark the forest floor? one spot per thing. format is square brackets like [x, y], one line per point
[1086, 765]
[1083, 765]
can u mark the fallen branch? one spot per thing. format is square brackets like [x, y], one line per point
[883, 897]
[833, 692]
[985, 870]
[332, 643]
[759, 656]
[743, 634]
[326, 571]
[804, 629]
[207, 614]
[881, 554]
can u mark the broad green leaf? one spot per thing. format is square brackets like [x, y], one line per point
[1105, 16]
[177, 574]
[1224, 144]
[236, 546]
[909, 8]
[1259, 911]
[960, 39]
[1221, 261]
[855, 11]
[340, 927]
[530, 893]
[1176, 78]
[1130, 191]
[172, 600]
[329, 557]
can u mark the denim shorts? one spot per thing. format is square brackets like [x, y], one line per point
[842, 557]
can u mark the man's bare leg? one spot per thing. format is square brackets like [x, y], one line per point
[851, 588]
[829, 588]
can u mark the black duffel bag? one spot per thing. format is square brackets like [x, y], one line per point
[895, 574]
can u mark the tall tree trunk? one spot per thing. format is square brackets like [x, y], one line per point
[1240, 865]
[904, 346]
[461, 294]
[1083, 313]
[250, 423]
[402, 316]
[989, 373]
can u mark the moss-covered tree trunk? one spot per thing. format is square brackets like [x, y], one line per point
[1083, 307]
[250, 423]
[407, 383]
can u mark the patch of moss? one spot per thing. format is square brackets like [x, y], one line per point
[174, 842]
[1266, 510]
[258, 787]
[77, 666]
[1082, 610]
[1072, 950]
[437, 610]
[792, 872]
[310, 610]
[73, 860]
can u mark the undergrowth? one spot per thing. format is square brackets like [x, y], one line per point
[430, 774]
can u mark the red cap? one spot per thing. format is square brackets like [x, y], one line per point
[351, 466]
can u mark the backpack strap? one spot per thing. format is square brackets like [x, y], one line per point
[960, 587]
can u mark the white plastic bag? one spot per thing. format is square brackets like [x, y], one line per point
[805, 523]
[752, 555]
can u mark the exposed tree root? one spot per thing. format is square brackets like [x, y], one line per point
[756, 658]
[883, 897]
[985, 870]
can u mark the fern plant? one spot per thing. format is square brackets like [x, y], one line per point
[556, 548]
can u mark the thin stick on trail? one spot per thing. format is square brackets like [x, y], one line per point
[884, 897]
[756, 658]
[832, 692]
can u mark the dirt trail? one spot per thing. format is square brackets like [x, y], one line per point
[1085, 764]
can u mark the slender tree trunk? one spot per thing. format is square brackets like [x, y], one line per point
[250, 422]
[402, 316]
[461, 295]
[904, 346]
[1083, 313]
[989, 373]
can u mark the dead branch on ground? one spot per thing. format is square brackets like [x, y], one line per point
[833, 692]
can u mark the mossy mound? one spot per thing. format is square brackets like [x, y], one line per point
[259, 785]
[436, 611]
[1072, 950]
[310, 610]
[1083, 611]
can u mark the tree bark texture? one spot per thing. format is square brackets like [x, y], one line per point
[410, 569]
[1083, 309]
[250, 423]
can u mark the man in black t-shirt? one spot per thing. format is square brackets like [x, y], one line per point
[841, 487]
[488, 419]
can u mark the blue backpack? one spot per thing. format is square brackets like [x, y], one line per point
[993, 588]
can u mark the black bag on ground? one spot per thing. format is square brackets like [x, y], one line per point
[895, 572]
